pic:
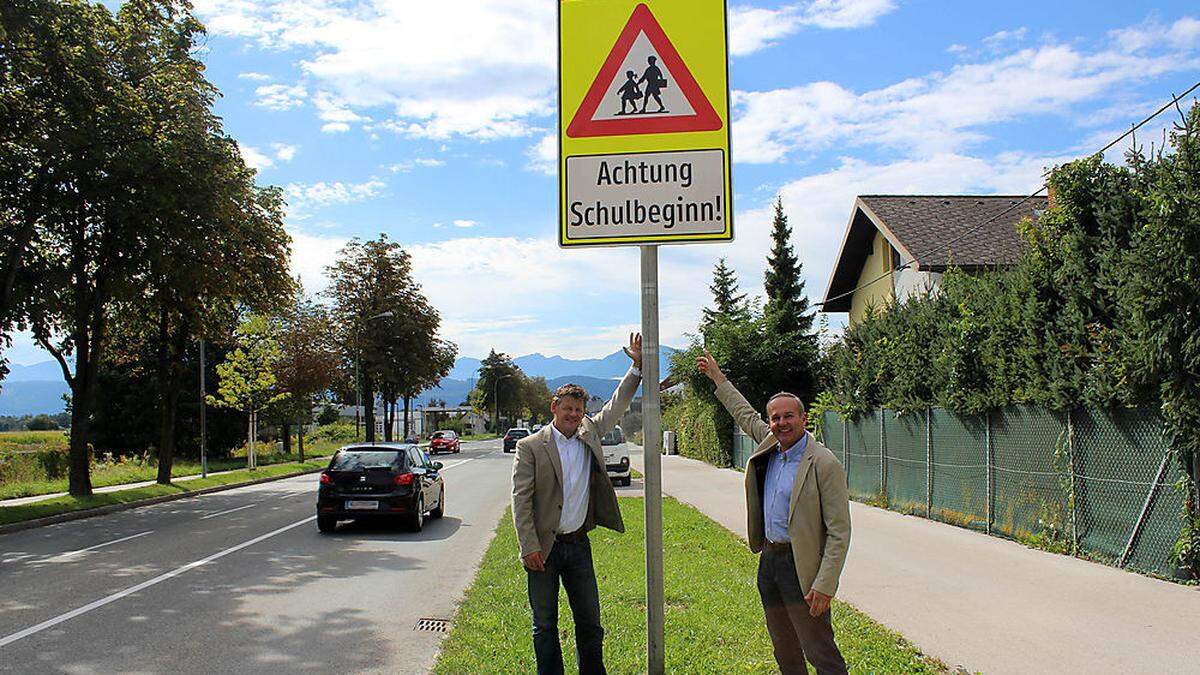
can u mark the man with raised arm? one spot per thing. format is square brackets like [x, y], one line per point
[798, 516]
[561, 491]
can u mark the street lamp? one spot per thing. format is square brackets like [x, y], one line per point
[357, 358]
[496, 399]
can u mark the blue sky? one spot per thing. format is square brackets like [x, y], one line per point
[434, 122]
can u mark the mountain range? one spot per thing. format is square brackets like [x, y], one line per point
[39, 388]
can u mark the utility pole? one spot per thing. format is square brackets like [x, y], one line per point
[203, 415]
[496, 400]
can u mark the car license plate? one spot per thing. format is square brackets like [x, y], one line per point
[362, 504]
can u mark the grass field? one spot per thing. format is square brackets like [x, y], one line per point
[57, 505]
[714, 621]
[27, 458]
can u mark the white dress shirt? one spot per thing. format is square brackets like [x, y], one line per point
[575, 465]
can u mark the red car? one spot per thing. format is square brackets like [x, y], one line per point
[443, 441]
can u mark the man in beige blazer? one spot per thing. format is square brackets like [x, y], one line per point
[561, 491]
[798, 516]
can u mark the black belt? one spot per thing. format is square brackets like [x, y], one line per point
[572, 537]
[777, 546]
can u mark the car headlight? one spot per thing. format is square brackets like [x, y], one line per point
[624, 461]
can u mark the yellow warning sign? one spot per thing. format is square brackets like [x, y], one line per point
[643, 122]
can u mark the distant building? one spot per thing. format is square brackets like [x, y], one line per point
[436, 417]
[896, 246]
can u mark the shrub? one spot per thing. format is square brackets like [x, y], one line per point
[42, 423]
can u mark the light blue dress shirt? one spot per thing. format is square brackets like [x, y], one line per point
[777, 489]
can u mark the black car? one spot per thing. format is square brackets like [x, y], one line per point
[384, 480]
[512, 436]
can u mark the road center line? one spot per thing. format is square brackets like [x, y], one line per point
[50, 623]
[221, 513]
[107, 543]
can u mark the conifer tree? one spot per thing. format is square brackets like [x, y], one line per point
[727, 302]
[787, 305]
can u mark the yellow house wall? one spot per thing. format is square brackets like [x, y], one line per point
[879, 293]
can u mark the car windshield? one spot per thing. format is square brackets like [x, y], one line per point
[614, 437]
[440, 434]
[356, 460]
[517, 433]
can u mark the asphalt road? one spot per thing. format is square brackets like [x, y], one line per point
[241, 581]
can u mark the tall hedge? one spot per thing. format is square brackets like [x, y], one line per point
[1103, 308]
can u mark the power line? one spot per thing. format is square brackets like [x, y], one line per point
[972, 230]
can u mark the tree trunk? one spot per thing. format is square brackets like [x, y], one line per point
[300, 440]
[170, 372]
[407, 401]
[285, 430]
[387, 420]
[249, 439]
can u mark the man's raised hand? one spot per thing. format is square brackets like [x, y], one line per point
[634, 350]
[708, 365]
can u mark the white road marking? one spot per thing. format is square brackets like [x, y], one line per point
[107, 543]
[50, 623]
[221, 513]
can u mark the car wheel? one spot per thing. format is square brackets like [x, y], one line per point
[441, 507]
[326, 524]
[416, 521]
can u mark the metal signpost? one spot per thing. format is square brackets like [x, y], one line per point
[644, 161]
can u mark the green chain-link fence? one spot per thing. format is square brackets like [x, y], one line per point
[863, 455]
[743, 447]
[959, 485]
[1091, 481]
[906, 458]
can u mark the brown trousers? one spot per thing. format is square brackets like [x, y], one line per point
[794, 634]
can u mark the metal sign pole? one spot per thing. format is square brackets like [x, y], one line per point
[652, 444]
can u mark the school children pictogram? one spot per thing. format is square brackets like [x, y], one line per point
[643, 87]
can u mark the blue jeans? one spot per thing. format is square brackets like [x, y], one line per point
[572, 563]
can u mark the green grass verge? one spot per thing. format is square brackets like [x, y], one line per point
[57, 505]
[134, 470]
[714, 621]
[478, 437]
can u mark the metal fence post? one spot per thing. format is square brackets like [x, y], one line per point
[846, 448]
[989, 460]
[883, 456]
[928, 462]
[1137, 527]
[1071, 496]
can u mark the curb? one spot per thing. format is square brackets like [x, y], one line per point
[113, 508]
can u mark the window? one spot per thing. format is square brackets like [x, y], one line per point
[357, 460]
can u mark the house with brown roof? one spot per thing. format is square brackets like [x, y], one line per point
[896, 246]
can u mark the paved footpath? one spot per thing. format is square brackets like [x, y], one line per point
[984, 603]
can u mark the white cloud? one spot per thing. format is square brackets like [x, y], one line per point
[304, 197]
[335, 128]
[465, 223]
[1183, 34]
[285, 152]
[940, 112]
[543, 155]
[410, 164]
[754, 28]
[280, 97]
[255, 158]
[310, 255]
[999, 39]
[433, 70]
[255, 77]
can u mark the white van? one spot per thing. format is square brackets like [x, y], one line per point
[616, 456]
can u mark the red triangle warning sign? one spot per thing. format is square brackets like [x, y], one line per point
[644, 87]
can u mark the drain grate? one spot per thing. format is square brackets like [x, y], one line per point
[433, 625]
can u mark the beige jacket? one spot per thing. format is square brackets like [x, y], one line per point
[537, 478]
[819, 516]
